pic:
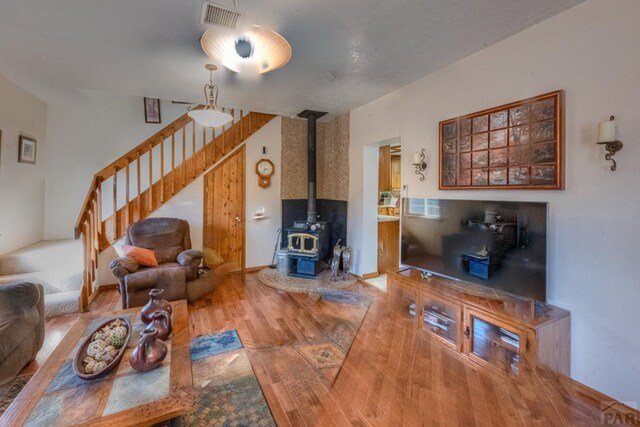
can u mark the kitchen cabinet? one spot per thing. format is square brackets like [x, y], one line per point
[384, 169]
[395, 172]
[388, 245]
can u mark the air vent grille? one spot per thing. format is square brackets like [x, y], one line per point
[214, 14]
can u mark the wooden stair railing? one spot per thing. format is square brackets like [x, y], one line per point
[136, 184]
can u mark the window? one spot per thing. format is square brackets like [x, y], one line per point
[429, 208]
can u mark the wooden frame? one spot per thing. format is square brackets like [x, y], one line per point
[152, 110]
[27, 150]
[514, 146]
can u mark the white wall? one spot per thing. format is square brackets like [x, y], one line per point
[21, 184]
[261, 234]
[590, 51]
[87, 130]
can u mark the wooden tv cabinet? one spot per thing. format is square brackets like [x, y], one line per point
[492, 328]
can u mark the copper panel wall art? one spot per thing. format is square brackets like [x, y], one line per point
[514, 146]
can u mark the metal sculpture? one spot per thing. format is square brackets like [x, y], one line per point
[334, 264]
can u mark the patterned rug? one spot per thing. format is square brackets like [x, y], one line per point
[227, 390]
[10, 391]
[271, 277]
[337, 318]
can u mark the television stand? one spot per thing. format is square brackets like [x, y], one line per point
[492, 328]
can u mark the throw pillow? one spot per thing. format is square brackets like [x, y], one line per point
[142, 256]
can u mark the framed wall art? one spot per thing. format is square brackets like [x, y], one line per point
[513, 146]
[27, 150]
[152, 110]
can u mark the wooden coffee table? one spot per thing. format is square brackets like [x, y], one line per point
[55, 396]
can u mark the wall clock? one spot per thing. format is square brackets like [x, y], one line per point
[265, 169]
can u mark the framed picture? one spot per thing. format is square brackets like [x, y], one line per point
[152, 110]
[514, 146]
[27, 150]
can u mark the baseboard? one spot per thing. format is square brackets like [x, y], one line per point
[99, 289]
[369, 275]
[252, 270]
[612, 411]
[107, 286]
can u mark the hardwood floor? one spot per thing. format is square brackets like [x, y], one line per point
[393, 374]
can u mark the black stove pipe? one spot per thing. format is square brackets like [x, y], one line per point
[311, 166]
[311, 116]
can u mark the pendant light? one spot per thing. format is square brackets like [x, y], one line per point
[209, 116]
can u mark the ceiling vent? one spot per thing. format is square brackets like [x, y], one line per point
[215, 14]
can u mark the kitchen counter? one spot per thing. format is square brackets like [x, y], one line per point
[388, 218]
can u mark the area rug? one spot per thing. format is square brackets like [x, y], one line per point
[227, 392]
[271, 277]
[10, 391]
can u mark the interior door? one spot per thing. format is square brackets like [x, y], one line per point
[224, 214]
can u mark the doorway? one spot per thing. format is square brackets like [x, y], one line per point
[389, 165]
[224, 213]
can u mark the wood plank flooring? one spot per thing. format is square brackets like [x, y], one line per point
[393, 375]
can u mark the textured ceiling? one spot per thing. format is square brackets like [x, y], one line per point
[345, 53]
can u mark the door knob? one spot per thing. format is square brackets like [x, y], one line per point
[238, 219]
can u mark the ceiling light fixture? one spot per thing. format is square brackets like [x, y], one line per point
[209, 116]
[257, 51]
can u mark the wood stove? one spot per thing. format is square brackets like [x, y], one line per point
[308, 245]
[309, 241]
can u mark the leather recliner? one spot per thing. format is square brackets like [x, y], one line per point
[177, 269]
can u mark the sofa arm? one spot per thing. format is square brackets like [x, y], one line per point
[23, 302]
[17, 297]
[190, 257]
[120, 267]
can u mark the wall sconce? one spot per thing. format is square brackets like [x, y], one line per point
[607, 137]
[419, 163]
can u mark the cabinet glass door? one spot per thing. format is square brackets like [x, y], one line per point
[404, 300]
[496, 345]
[440, 319]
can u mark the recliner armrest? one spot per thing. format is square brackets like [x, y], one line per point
[141, 280]
[190, 257]
[120, 267]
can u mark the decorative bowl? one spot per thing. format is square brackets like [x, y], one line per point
[82, 352]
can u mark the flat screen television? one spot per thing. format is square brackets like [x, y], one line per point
[501, 245]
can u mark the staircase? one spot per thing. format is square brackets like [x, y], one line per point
[135, 185]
